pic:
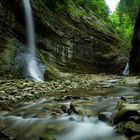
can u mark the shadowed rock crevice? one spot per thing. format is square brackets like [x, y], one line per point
[135, 52]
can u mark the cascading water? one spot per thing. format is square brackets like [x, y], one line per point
[126, 69]
[58, 118]
[35, 70]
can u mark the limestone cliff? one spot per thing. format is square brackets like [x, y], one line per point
[66, 42]
[135, 52]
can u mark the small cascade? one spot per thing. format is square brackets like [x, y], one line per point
[126, 70]
[32, 121]
[34, 68]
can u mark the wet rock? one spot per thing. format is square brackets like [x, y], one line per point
[57, 127]
[129, 128]
[74, 108]
[42, 114]
[72, 119]
[127, 119]
[125, 111]
[47, 138]
[82, 107]
[3, 137]
[117, 138]
[136, 137]
[69, 111]
[105, 117]
[67, 82]
[28, 115]
[21, 85]
[64, 108]
[51, 126]
[123, 98]
[2, 92]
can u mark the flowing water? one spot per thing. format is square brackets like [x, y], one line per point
[35, 70]
[126, 69]
[36, 120]
[45, 118]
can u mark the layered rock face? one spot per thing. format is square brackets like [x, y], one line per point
[7, 23]
[67, 43]
[135, 52]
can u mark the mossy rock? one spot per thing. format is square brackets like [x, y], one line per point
[47, 138]
[129, 128]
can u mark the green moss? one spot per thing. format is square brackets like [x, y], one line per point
[51, 72]
[6, 55]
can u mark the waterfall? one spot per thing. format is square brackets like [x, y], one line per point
[126, 69]
[34, 68]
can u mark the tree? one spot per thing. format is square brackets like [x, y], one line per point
[98, 6]
[123, 19]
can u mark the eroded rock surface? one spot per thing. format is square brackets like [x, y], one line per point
[66, 42]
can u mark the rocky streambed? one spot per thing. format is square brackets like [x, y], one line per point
[79, 107]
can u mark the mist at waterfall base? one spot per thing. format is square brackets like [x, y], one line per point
[35, 70]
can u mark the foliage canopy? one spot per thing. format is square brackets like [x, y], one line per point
[123, 19]
[98, 6]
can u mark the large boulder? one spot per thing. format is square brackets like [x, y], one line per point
[127, 120]
[66, 42]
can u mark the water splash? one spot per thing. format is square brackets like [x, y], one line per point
[35, 70]
[126, 69]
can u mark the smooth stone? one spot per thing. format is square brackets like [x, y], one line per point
[82, 108]
[105, 117]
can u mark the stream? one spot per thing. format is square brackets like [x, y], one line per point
[72, 116]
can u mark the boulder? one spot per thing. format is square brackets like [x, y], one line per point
[126, 111]
[127, 119]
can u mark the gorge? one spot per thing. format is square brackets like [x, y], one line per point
[87, 48]
[64, 76]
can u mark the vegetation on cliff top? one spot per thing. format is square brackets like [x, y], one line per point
[98, 6]
[123, 19]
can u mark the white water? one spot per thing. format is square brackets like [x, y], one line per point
[74, 130]
[88, 131]
[126, 70]
[33, 67]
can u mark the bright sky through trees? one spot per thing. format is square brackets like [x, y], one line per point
[112, 4]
